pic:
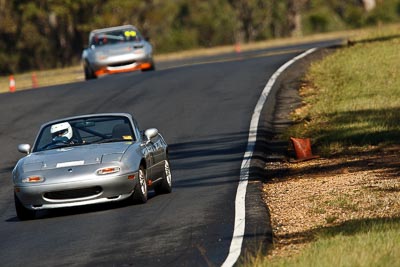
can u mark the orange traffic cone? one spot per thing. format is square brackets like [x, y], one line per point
[34, 80]
[12, 84]
[302, 147]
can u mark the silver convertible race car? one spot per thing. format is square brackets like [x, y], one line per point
[90, 159]
[115, 50]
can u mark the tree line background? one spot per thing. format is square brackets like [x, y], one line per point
[40, 34]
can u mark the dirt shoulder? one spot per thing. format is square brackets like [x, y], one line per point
[305, 197]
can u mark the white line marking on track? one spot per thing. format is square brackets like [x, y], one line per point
[240, 211]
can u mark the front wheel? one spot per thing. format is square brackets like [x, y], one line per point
[89, 74]
[23, 213]
[165, 185]
[140, 192]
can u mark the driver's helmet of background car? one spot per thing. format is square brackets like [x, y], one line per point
[61, 131]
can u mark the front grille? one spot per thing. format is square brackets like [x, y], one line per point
[120, 64]
[73, 193]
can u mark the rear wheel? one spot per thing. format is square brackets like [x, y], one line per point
[165, 185]
[22, 212]
[140, 194]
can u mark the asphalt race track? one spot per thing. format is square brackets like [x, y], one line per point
[202, 106]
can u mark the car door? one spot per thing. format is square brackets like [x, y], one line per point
[150, 160]
[159, 156]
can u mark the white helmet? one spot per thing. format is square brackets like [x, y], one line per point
[62, 129]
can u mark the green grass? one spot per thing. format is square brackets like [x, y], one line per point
[356, 243]
[353, 97]
[366, 243]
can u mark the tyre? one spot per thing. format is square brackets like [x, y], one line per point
[140, 192]
[23, 213]
[89, 74]
[165, 186]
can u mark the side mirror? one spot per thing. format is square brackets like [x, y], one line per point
[151, 133]
[24, 148]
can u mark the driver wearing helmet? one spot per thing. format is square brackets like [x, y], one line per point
[62, 132]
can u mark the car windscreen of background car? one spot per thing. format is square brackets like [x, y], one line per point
[115, 37]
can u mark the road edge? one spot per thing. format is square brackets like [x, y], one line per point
[235, 249]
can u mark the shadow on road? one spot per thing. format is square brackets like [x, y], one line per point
[211, 161]
[61, 212]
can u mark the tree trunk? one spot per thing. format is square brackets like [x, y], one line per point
[294, 17]
[369, 4]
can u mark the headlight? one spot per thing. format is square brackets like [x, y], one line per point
[139, 51]
[33, 179]
[109, 158]
[108, 170]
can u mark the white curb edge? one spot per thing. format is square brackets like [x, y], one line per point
[240, 211]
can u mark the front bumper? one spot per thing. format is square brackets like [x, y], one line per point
[121, 63]
[108, 188]
[123, 68]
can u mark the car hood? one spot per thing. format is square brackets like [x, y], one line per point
[119, 49]
[75, 156]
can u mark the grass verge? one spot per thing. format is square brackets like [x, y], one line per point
[43, 78]
[356, 243]
[351, 98]
[351, 112]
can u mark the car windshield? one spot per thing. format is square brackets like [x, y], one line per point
[84, 131]
[115, 37]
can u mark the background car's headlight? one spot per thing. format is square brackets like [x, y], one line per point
[108, 170]
[139, 51]
[33, 179]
